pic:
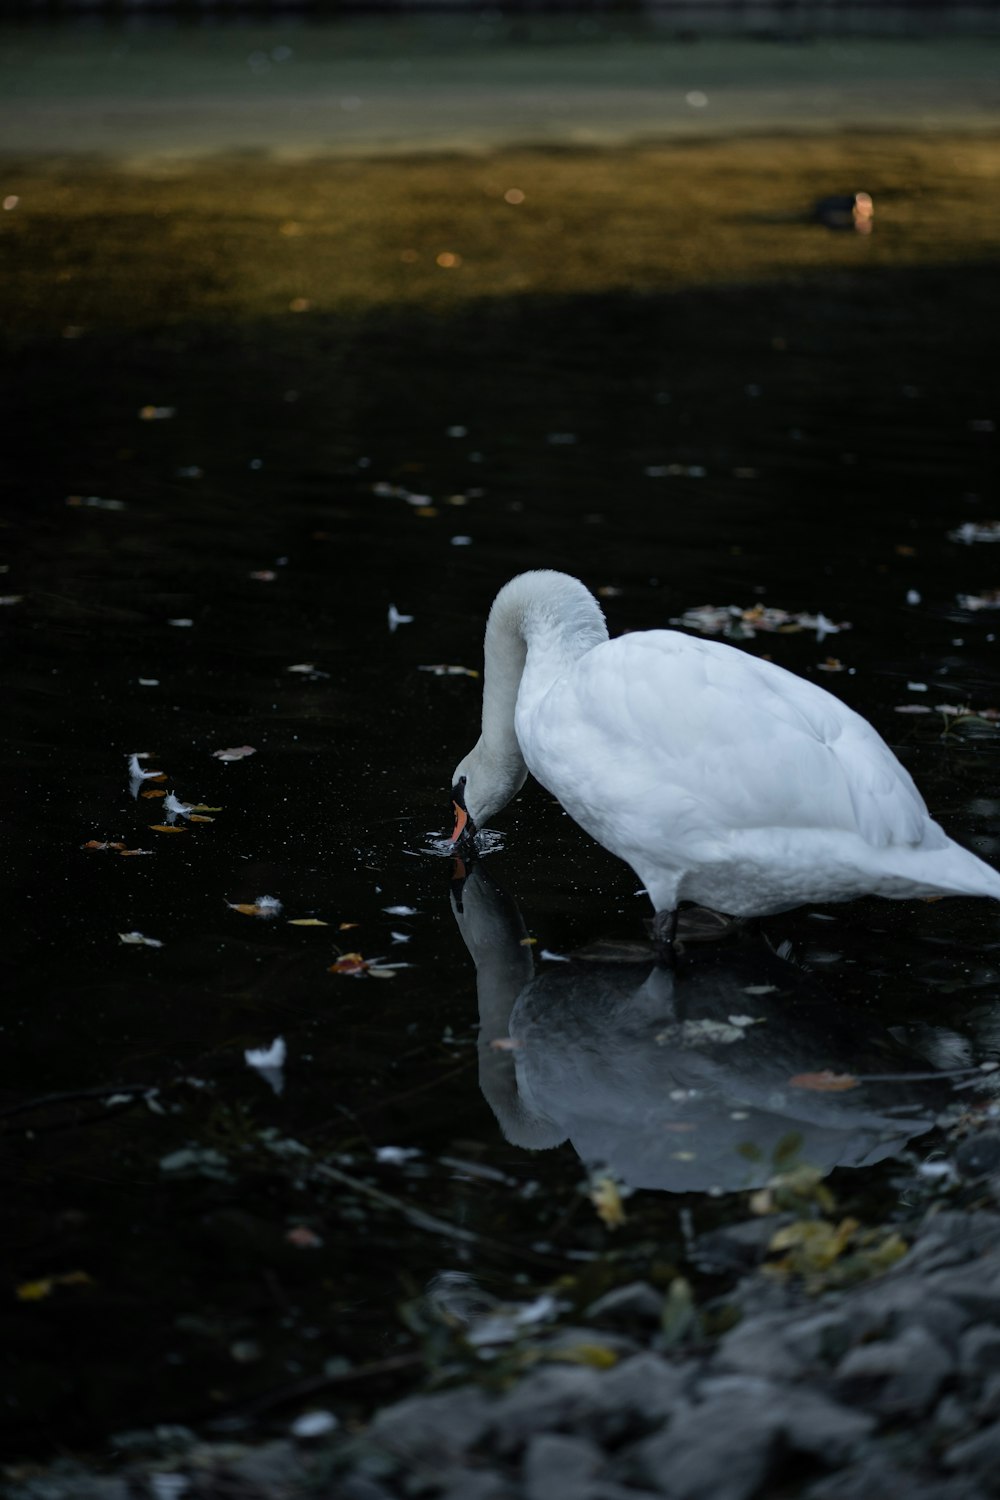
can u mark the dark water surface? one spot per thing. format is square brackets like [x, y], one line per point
[821, 437]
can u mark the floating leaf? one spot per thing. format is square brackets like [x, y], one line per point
[267, 1057]
[303, 1238]
[976, 531]
[136, 772]
[988, 600]
[138, 940]
[153, 792]
[201, 807]
[787, 1150]
[740, 624]
[35, 1291]
[265, 906]
[349, 963]
[396, 619]
[167, 828]
[194, 817]
[95, 502]
[607, 1199]
[237, 752]
[345, 926]
[306, 922]
[825, 1082]
[126, 853]
[97, 844]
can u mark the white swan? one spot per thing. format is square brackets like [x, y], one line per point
[720, 778]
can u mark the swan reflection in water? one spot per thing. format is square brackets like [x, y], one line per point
[679, 1079]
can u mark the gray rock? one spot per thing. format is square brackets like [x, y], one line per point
[979, 1353]
[360, 1487]
[636, 1305]
[274, 1469]
[724, 1449]
[974, 1289]
[877, 1475]
[988, 1404]
[979, 1154]
[477, 1484]
[822, 1338]
[637, 1395]
[757, 1346]
[979, 1453]
[809, 1422]
[951, 1419]
[737, 1247]
[896, 1377]
[433, 1430]
[892, 1305]
[950, 1238]
[557, 1467]
[606, 1489]
[558, 1398]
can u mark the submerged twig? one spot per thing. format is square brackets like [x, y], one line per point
[104, 1091]
[310, 1385]
[422, 1220]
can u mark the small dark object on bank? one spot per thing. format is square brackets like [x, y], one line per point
[846, 211]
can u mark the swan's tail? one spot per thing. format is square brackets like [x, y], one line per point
[950, 871]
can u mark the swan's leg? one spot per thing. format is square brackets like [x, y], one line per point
[663, 929]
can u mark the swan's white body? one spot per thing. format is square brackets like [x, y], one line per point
[719, 778]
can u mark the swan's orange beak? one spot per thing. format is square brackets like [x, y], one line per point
[461, 819]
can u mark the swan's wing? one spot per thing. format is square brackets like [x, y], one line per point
[707, 739]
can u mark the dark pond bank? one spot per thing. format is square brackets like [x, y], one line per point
[249, 412]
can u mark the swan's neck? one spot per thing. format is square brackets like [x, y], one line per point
[539, 625]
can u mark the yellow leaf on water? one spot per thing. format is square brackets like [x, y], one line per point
[34, 1291]
[194, 817]
[167, 827]
[195, 806]
[306, 922]
[607, 1199]
[155, 792]
[597, 1356]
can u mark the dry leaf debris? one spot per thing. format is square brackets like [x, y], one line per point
[743, 624]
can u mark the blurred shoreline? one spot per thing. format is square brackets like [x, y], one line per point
[399, 84]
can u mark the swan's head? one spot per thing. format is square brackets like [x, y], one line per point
[481, 786]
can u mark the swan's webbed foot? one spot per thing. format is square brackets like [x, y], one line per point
[671, 931]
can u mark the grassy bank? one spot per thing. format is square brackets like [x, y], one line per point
[234, 239]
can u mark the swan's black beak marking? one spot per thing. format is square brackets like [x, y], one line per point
[464, 827]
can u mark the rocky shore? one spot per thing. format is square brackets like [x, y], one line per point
[888, 1387]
